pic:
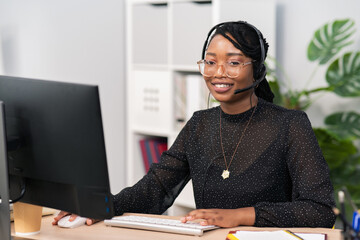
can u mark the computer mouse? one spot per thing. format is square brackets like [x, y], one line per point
[65, 223]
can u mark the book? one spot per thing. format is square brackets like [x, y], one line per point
[144, 154]
[148, 152]
[161, 147]
[273, 235]
[154, 156]
[151, 150]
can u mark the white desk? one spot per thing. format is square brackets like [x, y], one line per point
[99, 231]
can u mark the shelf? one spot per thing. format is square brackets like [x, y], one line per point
[165, 40]
[191, 22]
[186, 69]
[139, 129]
[149, 38]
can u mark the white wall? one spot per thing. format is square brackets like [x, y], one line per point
[83, 41]
[296, 23]
[78, 41]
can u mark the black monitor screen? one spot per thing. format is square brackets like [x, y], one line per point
[56, 147]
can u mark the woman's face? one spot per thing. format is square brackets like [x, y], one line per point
[221, 51]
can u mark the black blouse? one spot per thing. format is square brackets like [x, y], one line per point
[278, 169]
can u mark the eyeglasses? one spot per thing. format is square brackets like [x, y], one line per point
[232, 68]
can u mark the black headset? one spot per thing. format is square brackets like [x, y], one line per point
[262, 68]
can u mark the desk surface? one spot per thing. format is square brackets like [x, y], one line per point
[100, 231]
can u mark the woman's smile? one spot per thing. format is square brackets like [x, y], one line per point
[220, 87]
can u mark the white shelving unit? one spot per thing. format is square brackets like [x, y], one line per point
[164, 41]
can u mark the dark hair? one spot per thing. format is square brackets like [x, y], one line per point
[251, 42]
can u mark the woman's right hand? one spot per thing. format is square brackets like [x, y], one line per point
[62, 214]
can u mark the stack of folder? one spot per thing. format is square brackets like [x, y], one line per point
[273, 235]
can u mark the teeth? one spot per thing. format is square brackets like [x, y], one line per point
[222, 85]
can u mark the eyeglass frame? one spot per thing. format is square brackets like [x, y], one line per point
[202, 61]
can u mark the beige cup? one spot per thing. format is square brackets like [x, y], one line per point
[27, 218]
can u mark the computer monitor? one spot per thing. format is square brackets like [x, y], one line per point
[56, 149]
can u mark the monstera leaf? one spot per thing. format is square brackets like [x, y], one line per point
[336, 151]
[344, 75]
[329, 40]
[343, 159]
[344, 124]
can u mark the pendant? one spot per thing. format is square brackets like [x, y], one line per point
[225, 174]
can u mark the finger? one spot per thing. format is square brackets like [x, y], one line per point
[200, 214]
[209, 221]
[59, 216]
[72, 217]
[204, 223]
[91, 221]
[186, 218]
[209, 217]
[189, 216]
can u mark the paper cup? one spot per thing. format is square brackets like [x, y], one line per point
[27, 218]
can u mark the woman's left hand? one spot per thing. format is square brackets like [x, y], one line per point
[222, 217]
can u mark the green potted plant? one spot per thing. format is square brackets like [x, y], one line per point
[342, 129]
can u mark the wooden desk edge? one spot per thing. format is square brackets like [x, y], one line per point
[100, 231]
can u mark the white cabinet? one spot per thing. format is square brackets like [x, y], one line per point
[164, 42]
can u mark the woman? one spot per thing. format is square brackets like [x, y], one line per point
[251, 162]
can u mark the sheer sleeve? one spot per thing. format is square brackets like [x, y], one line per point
[312, 192]
[157, 190]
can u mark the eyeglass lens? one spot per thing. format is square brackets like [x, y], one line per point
[209, 69]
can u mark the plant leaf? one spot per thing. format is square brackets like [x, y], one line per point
[329, 39]
[344, 75]
[278, 97]
[344, 124]
[336, 151]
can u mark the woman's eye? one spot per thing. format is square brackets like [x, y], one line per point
[234, 63]
[209, 62]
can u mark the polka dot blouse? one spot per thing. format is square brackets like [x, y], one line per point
[278, 169]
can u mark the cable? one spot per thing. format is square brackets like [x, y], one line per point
[22, 192]
[208, 101]
[350, 232]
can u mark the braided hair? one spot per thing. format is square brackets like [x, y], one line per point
[250, 41]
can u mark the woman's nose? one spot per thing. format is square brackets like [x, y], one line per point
[220, 72]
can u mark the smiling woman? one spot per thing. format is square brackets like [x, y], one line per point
[251, 162]
[226, 69]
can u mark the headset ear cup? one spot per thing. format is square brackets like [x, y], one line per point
[261, 72]
[260, 75]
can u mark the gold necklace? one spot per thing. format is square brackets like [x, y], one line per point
[225, 174]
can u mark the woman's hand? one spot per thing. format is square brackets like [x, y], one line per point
[223, 217]
[62, 214]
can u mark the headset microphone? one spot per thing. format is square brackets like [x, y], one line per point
[257, 82]
[249, 87]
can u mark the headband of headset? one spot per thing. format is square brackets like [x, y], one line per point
[238, 22]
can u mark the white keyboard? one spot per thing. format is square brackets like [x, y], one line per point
[158, 224]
